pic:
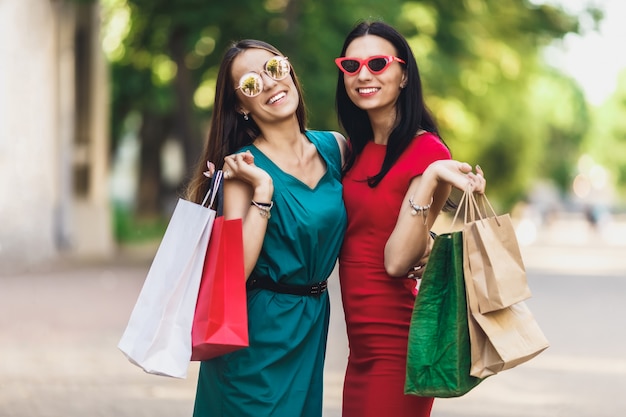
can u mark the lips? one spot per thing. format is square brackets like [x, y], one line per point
[277, 97]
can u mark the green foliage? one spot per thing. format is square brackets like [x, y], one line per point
[128, 228]
[566, 118]
[606, 140]
[479, 59]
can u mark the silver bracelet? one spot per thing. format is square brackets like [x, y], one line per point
[264, 208]
[422, 210]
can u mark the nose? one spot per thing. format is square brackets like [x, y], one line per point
[364, 72]
[268, 82]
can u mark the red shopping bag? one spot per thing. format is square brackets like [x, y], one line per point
[220, 323]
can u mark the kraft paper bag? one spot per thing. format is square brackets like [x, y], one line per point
[220, 323]
[492, 251]
[158, 335]
[500, 339]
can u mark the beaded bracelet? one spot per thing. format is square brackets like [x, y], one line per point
[264, 208]
[423, 210]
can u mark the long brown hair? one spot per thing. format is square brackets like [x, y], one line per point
[229, 131]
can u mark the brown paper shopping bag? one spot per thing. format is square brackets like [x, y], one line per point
[497, 268]
[500, 339]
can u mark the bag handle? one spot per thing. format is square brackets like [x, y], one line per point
[472, 211]
[215, 191]
[476, 209]
[464, 200]
[484, 199]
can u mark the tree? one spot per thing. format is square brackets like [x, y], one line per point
[561, 104]
[479, 59]
[606, 140]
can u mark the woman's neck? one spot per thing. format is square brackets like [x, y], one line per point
[283, 142]
[281, 137]
[382, 123]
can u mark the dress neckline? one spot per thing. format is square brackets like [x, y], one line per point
[294, 178]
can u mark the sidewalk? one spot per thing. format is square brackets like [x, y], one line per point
[58, 347]
[570, 245]
[60, 327]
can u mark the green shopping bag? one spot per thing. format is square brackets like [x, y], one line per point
[438, 356]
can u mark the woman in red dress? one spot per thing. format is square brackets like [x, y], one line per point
[397, 179]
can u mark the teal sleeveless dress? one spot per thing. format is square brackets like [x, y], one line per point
[281, 373]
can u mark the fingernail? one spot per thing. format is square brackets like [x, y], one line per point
[478, 167]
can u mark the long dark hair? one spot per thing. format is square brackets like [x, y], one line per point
[411, 112]
[229, 131]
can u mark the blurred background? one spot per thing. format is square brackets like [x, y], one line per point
[104, 105]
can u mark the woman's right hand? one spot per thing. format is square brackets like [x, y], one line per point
[417, 271]
[241, 166]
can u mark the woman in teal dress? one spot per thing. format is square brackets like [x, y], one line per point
[284, 181]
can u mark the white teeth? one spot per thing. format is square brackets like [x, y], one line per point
[276, 98]
[368, 90]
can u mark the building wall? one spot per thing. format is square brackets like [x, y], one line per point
[42, 217]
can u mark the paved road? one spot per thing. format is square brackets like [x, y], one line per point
[59, 329]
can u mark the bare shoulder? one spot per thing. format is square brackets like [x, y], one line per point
[343, 144]
[341, 140]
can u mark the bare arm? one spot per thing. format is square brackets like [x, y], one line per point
[409, 240]
[247, 182]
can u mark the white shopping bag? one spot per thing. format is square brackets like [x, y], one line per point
[158, 335]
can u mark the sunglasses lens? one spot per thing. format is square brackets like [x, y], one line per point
[350, 65]
[277, 67]
[251, 84]
[377, 64]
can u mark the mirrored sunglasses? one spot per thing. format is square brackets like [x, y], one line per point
[251, 83]
[375, 64]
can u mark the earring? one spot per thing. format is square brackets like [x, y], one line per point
[245, 117]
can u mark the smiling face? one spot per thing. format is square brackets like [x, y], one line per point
[278, 99]
[370, 92]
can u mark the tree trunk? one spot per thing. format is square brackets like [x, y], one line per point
[185, 128]
[153, 132]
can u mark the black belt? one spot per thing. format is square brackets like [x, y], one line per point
[267, 283]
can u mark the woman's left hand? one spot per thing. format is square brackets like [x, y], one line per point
[477, 180]
[458, 174]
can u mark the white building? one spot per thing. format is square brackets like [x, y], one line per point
[54, 116]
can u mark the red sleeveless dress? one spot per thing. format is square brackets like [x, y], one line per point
[378, 307]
